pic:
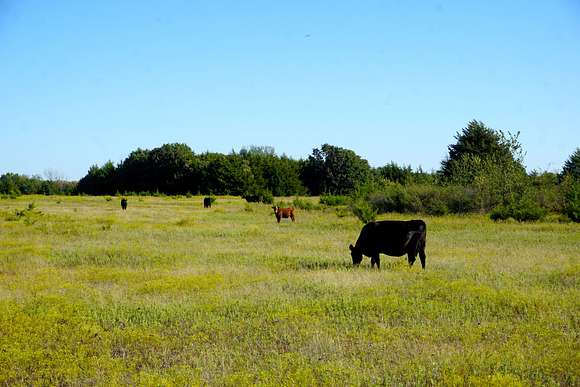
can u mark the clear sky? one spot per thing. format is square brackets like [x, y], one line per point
[83, 82]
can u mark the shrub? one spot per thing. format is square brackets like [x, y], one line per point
[342, 211]
[268, 198]
[29, 215]
[334, 200]
[435, 206]
[395, 198]
[572, 199]
[363, 210]
[460, 200]
[524, 210]
[304, 204]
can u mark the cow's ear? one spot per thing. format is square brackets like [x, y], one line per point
[351, 247]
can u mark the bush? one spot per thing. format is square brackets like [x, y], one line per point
[363, 210]
[304, 204]
[572, 200]
[435, 206]
[268, 198]
[460, 200]
[395, 198]
[29, 215]
[334, 200]
[342, 211]
[524, 210]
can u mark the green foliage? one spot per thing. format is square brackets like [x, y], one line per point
[481, 142]
[305, 204]
[267, 197]
[99, 180]
[571, 189]
[544, 187]
[394, 198]
[334, 200]
[278, 175]
[572, 165]
[525, 209]
[363, 211]
[334, 170]
[174, 169]
[495, 181]
[29, 215]
[396, 174]
[12, 184]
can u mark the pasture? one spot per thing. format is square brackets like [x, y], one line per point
[168, 292]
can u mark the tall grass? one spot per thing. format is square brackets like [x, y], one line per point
[170, 293]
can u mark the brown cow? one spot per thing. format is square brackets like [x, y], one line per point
[283, 213]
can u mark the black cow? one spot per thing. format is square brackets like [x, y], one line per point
[206, 202]
[391, 237]
[124, 204]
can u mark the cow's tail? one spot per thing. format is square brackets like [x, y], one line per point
[422, 244]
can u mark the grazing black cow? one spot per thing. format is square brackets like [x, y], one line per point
[253, 198]
[124, 204]
[391, 237]
[206, 202]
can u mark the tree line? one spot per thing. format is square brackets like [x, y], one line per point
[483, 172]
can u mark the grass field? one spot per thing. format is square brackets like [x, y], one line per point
[171, 293]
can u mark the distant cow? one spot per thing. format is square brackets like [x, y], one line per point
[253, 198]
[283, 213]
[124, 204]
[391, 237]
[206, 202]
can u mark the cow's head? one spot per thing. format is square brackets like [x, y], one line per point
[356, 255]
[275, 208]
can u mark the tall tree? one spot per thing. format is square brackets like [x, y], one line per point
[134, 172]
[572, 165]
[483, 143]
[99, 180]
[172, 168]
[334, 170]
[395, 173]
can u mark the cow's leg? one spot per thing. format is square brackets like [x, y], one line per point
[375, 258]
[422, 256]
[412, 248]
[292, 217]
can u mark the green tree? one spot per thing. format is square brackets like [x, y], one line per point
[99, 180]
[278, 175]
[225, 174]
[395, 173]
[334, 170]
[134, 172]
[572, 165]
[172, 168]
[478, 140]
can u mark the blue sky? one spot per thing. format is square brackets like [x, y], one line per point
[83, 82]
